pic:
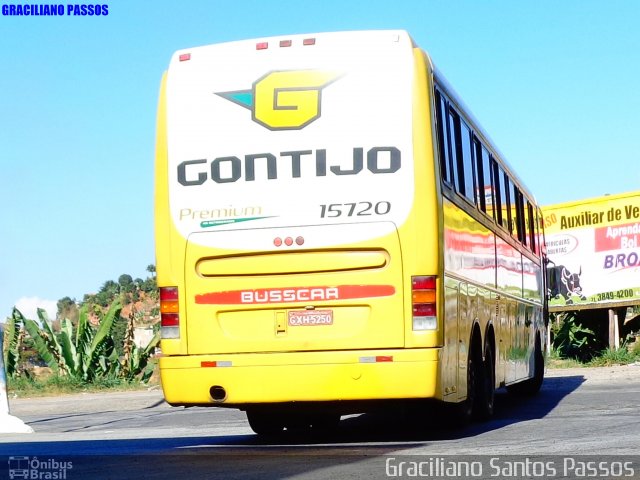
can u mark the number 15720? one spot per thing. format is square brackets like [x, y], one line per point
[354, 209]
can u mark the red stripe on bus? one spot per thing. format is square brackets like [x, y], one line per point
[294, 294]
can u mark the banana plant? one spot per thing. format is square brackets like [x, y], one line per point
[13, 337]
[135, 359]
[90, 353]
[87, 355]
[46, 342]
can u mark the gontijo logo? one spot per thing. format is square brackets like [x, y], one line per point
[284, 100]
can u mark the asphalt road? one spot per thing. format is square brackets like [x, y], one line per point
[590, 412]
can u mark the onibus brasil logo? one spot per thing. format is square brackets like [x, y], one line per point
[284, 100]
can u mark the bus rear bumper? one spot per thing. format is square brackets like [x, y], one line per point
[235, 380]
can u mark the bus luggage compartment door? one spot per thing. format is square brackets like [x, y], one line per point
[298, 296]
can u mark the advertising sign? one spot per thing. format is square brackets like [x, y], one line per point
[594, 249]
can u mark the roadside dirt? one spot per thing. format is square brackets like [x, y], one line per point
[614, 373]
[88, 402]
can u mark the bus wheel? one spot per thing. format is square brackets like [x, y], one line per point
[486, 386]
[264, 422]
[325, 422]
[464, 411]
[531, 386]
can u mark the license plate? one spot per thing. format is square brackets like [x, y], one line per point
[304, 318]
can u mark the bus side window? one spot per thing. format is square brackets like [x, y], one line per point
[483, 167]
[510, 206]
[489, 188]
[480, 188]
[467, 170]
[454, 135]
[526, 232]
[532, 228]
[500, 189]
[539, 243]
[443, 138]
[519, 215]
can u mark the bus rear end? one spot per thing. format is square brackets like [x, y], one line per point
[292, 268]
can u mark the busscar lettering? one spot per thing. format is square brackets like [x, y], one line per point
[289, 295]
[379, 160]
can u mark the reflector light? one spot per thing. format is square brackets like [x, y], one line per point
[309, 41]
[169, 320]
[424, 310]
[423, 283]
[168, 294]
[262, 45]
[424, 323]
[423, 296]
[169, 307]
[377, 359]
[288, 241]
[170, 332]
[219, 363]
[384, 358]
[299, 240]
[184, 57]
[285, 43]
[277, 242]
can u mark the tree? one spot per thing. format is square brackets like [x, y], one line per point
[125, 281]
[128, 288]
[67, 308]
[107, 294]
[149, 286]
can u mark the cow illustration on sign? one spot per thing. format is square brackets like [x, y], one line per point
[564, 283]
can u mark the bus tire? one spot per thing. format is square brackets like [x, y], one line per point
[486, 387]
[264, 422]
[464, 411]
[532, 386]
[325, 423]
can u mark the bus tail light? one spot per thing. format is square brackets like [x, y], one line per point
[423, 298]
[169, 312]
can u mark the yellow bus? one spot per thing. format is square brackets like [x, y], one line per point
[333, 230]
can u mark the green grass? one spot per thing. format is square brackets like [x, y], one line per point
[608, 357]
[620, 356]
[563, 363]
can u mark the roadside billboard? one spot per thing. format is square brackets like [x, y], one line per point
[594, 247]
